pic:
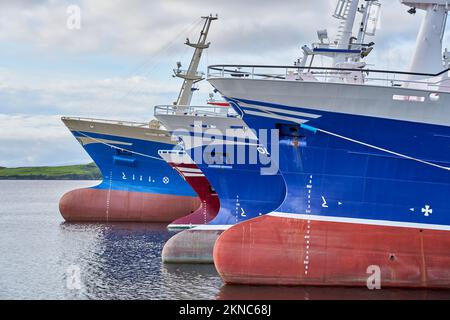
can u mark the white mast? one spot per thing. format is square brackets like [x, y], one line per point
[191, 76]
[427, 57]
[346, 11]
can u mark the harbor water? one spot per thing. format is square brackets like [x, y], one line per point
[42, 257]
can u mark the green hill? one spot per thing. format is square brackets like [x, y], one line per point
[74, 172]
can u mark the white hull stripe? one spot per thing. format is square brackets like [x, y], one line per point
[274, 116]
[117, 148]
[386, 223]
[175, 157]
[280, 110]
[219, 136]
[88, 140]
[192, 174]
[183, 169]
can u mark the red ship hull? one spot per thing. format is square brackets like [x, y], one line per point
[202, 215]
[193, 245]
[272, 250]
[101, 205]
[190, 172]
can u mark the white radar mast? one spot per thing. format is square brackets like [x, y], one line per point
[346, 50]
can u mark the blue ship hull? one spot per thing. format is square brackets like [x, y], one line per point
[366, 195]
[357, 181]
[137, 184]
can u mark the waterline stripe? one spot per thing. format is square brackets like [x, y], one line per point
[386, 223]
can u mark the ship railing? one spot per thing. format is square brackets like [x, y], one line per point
[198, 111]
[387, 78]
[107, 121]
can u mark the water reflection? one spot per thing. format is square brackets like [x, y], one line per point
[228, 292]
[123, 261]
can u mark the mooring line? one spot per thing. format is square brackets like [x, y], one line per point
[314, 130]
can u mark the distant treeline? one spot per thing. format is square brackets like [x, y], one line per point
[74, 172]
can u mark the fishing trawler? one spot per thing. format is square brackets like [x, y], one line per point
[232, 159]
[138, 185]
[364, 154]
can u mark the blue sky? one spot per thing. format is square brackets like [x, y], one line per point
[119, 64]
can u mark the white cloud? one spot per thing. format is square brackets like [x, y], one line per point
[31, 132]
[132, 97]
[142, 27]
[28, 140]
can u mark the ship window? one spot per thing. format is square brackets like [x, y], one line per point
[196, 125]
[400, 97]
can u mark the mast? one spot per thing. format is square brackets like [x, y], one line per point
[346, 48]
[191, 76]
[427, 57]
[371, 14]
[346, 11]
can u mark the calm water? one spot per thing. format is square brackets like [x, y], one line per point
[115, 261]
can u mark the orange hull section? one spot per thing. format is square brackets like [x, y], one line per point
[113, 205]
[280, 251]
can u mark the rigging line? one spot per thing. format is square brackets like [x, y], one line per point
[139, 89]
[156, 58]
[314, 129]
[383, 150]
[119, 148]
[174, 41]
[161, 50]
[188, 33]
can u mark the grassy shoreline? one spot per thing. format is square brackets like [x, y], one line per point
[73, 172]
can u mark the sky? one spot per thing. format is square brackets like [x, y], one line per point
[118, 64]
